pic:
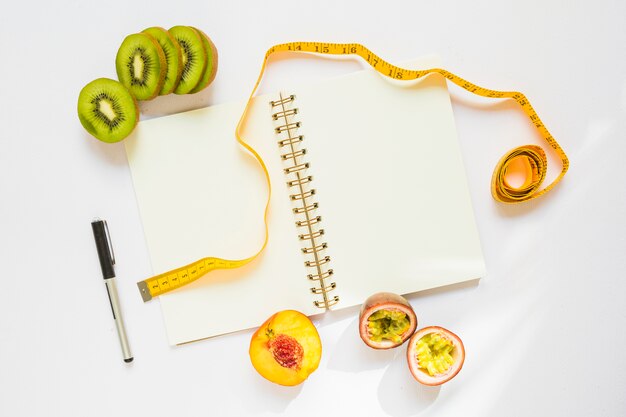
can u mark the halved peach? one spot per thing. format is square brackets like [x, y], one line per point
[286, 349]
[435, 355]
[386, 320]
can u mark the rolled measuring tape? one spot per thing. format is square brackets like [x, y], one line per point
[531, 157]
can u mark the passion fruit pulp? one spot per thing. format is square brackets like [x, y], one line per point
[386, 321]
[435, 355]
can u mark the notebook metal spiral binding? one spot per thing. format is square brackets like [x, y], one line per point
[284, 113]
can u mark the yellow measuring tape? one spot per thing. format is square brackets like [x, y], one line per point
[531, 157]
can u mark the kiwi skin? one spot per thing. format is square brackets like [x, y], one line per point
[173, 57]
[211, 67]
[193, 70]
[121, 66]
[97, 124]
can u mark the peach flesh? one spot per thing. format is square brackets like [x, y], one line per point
[286, 349]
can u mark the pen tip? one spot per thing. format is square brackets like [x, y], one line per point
[129, 360]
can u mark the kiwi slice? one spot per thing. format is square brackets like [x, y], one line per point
[173, 57]
[194, 57]
[107, 110]
[211, 67]
[141, 66]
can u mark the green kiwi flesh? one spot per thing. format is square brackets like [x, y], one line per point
[194, 57]
[173, 57]
[211, 67]
[141, 65]
[107, 110]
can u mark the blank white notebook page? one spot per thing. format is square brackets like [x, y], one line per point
[391, 184]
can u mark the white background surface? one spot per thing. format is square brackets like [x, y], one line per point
[544, 331]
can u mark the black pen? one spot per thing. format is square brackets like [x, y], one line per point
[107, 260]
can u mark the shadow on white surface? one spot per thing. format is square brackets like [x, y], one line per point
[399, 394]
[269, 396]
[113, 153]
[351, 354]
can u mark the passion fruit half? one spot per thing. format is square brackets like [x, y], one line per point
[435, 355]
[386, 320]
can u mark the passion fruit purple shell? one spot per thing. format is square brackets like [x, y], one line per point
[385, 301]
[419, 373]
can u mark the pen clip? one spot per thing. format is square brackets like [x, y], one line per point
[108, 239]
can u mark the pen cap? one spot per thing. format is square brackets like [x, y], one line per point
[103, 247]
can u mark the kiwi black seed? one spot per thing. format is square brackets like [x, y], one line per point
[211, 67]
[194, 57]
[141, 65]
[173, 57]
[107, 110]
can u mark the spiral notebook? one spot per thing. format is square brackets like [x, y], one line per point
[369, 194]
